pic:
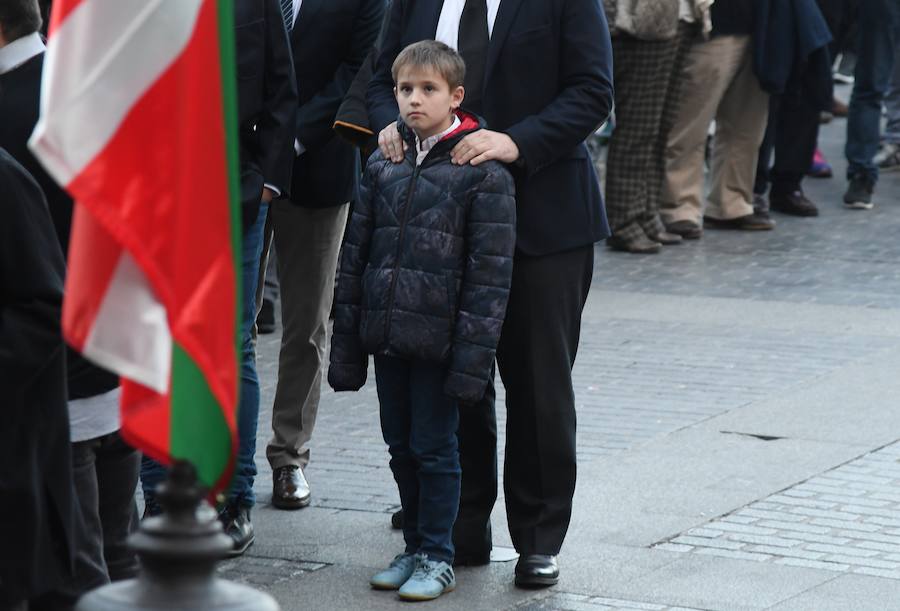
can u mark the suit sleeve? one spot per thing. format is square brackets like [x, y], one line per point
[316, 117]
[348, 361]
[380, 98]
[586, 89]
[31, 280]
[279, 103]
[484, 293]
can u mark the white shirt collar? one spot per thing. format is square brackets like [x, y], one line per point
[20, 51]
[423, 147]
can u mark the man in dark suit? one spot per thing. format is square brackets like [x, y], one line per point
[267, 103]
[330, 39]
[39, 519]
[539, 71]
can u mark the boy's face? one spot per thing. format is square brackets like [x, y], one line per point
[426, 102]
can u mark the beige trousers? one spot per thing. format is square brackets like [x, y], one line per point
[307, 241]
[719, 84]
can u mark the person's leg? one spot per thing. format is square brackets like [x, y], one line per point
[892, 102]
[536, 353]
[640, 70]
[117, 473]
[795, 141]
[392, 381]
[876, 45]
[709, 68]
[248, 409]
[740, 127]
[308, 241]
[477, 436]
[434, 420]
[764, 162]
[152, 475]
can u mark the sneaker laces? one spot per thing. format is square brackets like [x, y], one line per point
[425, 568]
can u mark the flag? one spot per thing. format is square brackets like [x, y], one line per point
[139, 124]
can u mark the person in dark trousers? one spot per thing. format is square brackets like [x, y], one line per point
[105, 469]
[39, 518]
[330, 39]
[425, 278]
[794, 66]
[878, 33]
[540, 73]
[267, 106]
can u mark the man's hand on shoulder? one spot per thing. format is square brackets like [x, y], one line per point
[391, 144]
[485, 145]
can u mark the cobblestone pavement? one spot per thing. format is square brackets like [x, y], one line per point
[579, 602]
[847, 519]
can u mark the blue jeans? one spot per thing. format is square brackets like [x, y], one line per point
[152, 473]
[419, 424]
[879, 32]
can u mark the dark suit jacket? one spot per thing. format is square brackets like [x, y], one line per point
[330, 41]
[38, 516]
[20, 92]
[267, 100]
[548, 85]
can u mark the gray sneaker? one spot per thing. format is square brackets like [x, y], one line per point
[430, 579]
[859, 194]
[888, 158]
[402, 566]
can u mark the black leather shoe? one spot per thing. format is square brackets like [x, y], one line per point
[796, 204]
[397, 520]
[265, 320]
[236, 522]
[686, 229]
[536, 571]
[290, 489]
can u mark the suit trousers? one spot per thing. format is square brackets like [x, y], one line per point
[307, 241]
[535, 356]
[792, 134]
[719, 84]
[647, 77]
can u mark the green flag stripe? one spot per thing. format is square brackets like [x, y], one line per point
[198, 429]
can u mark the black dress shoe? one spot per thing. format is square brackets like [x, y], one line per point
[536, 571]
[265, 320]
[290, 489]
[686, 229]
[795, 203]
[397, 520]
[236, 523]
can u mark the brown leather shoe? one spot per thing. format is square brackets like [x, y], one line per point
[638, 246]
[666, 238]
[749, 222]
[686, 229]
[290, 489]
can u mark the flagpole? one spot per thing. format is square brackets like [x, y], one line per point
[179, 551]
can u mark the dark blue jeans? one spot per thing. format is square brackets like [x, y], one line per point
[152, 473]
[419, 425]
[879, 32]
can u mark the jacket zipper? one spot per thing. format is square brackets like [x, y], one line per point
[390, 309]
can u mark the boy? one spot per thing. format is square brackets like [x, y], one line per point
[425, 277]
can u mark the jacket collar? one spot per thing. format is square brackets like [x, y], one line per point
[468, 123]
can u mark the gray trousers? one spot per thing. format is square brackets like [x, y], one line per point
[892, 104]
[307, 241]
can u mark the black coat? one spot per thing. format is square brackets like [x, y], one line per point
[20, 95]
[330, 42]
[38, 515]
[426, 267]
[267, 101]
[548, 85]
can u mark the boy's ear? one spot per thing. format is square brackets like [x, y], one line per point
[395, 91]
[457, 97]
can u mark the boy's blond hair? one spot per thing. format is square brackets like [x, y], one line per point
[432, 54]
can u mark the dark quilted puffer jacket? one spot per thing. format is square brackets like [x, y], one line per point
[426, 267]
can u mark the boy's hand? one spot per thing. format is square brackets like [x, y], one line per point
[485, 145]
[391, 144]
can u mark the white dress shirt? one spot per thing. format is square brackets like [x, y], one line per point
[448, 24]
[297, 4]
[423, 147]
[20, 51]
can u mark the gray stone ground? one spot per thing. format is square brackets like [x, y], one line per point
[738, 437]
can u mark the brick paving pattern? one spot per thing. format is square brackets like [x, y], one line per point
[845, 520]
[564, 601]
[259, 571]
